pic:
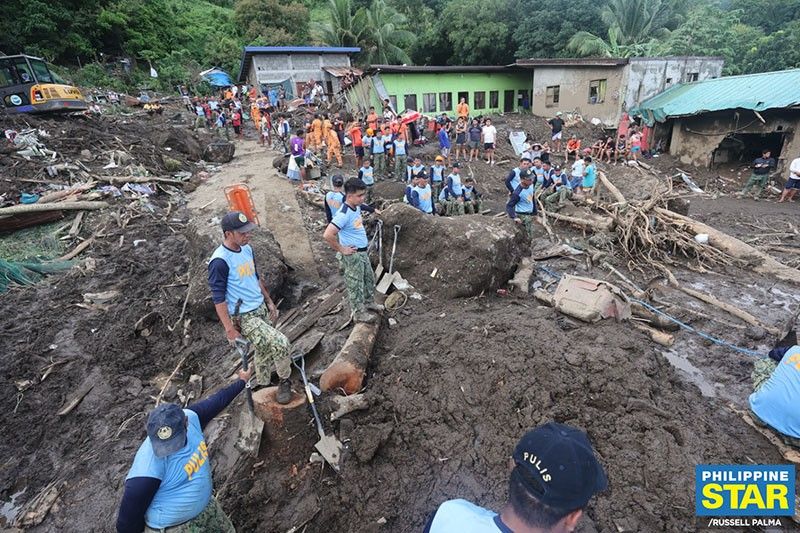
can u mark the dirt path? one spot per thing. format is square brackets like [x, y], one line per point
[274, 198]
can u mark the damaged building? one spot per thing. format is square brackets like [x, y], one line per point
[727, 120]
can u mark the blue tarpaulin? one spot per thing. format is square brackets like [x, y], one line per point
[216, 77]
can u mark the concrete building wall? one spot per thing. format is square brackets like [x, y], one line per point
[574, 91]
[297, 68]
[420, 87]
[694, 139]
[648, 76]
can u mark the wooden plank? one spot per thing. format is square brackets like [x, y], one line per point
[318, 311]
[75, 399]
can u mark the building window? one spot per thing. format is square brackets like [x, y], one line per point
[393, 101]
[597, 91]
[552, 96]
[692, 76]
[669, 81]
[410, 102]
[494, 99]
[480, 100]
[445, 102]
[429, 103]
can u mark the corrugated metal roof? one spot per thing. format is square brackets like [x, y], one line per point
[338, 72]
[248, 51]
[768, 90]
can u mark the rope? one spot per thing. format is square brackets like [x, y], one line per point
[674, 320]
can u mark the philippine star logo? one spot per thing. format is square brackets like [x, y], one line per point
[744, 495]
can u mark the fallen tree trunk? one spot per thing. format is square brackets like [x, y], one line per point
[764, 264]
[57, 206]
[140, 179]
[612, 189]
[61, 195]
[599, 223]
[347, 371]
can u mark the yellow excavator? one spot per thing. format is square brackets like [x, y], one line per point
[27, 85]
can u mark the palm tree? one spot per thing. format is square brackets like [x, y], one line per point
[633, 28]
[346, 26]
[385, 36]
[379, 31]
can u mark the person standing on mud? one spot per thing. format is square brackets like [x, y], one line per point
[244, 305]
[554, 474]
[762, 168]
[346, 235]
[169, 485]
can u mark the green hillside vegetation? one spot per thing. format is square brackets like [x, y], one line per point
[182, 37]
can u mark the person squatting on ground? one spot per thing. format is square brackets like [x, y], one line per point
[421, 195]
[346, 235]
[762, 168]
[472, 198]
[169, 485]
[559, 191]
[521, 206]
[554, 474]
[776, 390]
[240, 295]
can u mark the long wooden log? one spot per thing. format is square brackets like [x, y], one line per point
[600, 223]
[346, 372]
[764, 264]
[57, 206]
[612, 189]
[140, 179]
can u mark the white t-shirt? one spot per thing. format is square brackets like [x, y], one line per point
[794, 169]
[489, 134]
[578, 168]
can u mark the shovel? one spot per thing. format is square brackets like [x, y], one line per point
[387, 280]
[250, 426]
[379, 234]
[328, 446]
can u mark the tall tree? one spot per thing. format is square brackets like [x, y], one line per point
[712, 31]
[346, 25]
[479, 31]
[769, 15]
[272, 22]
[386, 36]
[559, 20]
[634, 26]
[777, 51]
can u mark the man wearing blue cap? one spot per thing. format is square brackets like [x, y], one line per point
[168, 487]
[554, 475]
[240, 295]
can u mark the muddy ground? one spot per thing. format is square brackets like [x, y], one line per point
[452, 386]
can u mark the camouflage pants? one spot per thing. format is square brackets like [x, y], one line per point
[437, 189]
[272, 346]
[358, 279]
[472, 207]
[212, 520]
[379, 164]
[455, 208]
[762, 370]
[400, 164]
[560, 196]
[369, 197]
[527, 222]
[759, 181]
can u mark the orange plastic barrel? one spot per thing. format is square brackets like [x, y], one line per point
[240, 199]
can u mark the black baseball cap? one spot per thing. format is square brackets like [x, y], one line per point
[556, 463]
[524, 173]
[166, 428]
[456, 165]
[337, 181]
[237, 221]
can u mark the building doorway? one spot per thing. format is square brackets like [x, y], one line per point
[508, 101]
[743, 148]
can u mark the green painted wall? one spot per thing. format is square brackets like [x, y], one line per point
[420, 84]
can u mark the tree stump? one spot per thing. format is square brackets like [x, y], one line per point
[281, 421]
